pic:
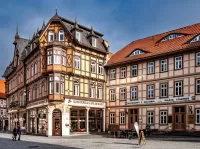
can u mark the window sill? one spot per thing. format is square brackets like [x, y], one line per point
[150, 73]
[163, 71]
[177, 69]
[112, 100]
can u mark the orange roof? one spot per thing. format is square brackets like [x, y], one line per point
[2, 86]
[154, 47]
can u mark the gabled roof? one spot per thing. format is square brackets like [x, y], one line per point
[155, 47]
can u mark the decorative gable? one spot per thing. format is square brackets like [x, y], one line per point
[136, 52]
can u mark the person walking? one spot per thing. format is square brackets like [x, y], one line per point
[14, 134]
[19, 132]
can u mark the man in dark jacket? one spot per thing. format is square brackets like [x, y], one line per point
[19, 132]
[14, 134]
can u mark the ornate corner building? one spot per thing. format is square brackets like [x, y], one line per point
[55, 84]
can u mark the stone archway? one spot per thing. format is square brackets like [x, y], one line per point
[57, 122]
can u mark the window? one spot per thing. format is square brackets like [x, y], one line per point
[77, 62]
[78, 36]
[198, 59]
[112, 74]
[94, 42]
[163, 117]
[197, 38]
[136, 52]
[92, 91]
[99, 92]
[64, 61]
[51, 36]
[57, 59]
[150, 118]
[51, 88]
[197, 116]
[134, 70]
[35, 66]
[61, 35]
[62, 87]
[123, 72]
[122, 118]
[100, 69]
[172, 36]
[133, 93]
[43, 88]
[76, 88]
[178, 62]
[21, 99]
[150, 89]
[197, 86]
[34, 91]
[29, 95]
[178, 88]
[93, 67]
[163, 65]
[112, 95]
[57, 89]
[122, 93]
[50, 59]
[150, 67]
[112, 118]
[32, 70]
[163, 90]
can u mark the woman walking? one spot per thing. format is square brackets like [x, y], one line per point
[14, 134]
[19, 132]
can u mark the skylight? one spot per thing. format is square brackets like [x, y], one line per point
[136, 52]
[172, 36]
[197, 38]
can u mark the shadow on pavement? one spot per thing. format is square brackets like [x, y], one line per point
[134, 144]
[10, 144]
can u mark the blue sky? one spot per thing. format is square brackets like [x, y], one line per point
[121, 21]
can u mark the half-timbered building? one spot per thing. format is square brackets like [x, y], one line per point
[55, 83]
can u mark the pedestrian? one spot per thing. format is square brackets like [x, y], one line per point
[5, 128]
[14, 134]
[19, 132]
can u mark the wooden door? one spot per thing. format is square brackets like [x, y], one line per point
[57, 123]
[179, 118]
[133, 117]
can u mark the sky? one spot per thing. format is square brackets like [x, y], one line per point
[121, 21]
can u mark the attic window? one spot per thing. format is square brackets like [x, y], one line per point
[94, 42]
[136, 52]
[78, 36]
[172, 36]
[197, 38]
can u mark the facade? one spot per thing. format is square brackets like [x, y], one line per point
[155, 81]
[55, 83]
[3, 107]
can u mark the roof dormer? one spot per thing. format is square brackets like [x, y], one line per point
[172, 36]
[137, 52]
[92, 38]
[195, 39]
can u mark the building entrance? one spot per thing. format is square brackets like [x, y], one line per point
[57, 123]
[133, 117]
[179, 118]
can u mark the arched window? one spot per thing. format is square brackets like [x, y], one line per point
[51, 36]
[43, 88]
[61, 35]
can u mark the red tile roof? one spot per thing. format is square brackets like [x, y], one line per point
[155, 48]
[2, 89]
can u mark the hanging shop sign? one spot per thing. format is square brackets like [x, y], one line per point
[84, 103]
[166, 100]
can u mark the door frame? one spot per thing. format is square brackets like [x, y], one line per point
[173, 117]
[129, 115]
[53, 130]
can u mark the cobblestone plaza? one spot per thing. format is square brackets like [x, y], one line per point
[95, 142]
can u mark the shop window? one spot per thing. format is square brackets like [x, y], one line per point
[112, 118]
[150, 117]
[122, 118]
[112, 95]
[163, 117]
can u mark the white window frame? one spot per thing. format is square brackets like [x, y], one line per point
[77, 62]
[78, 36]
[57, 59]
[122, 118]
[94, 42]
[51, 33]
[163, 89]
[198, 59]
[197, 115]
[133, 93]
[163, 65]
[197, 86]
[150, 67]
[100, 69]
[63, 60]
[122, 92]
[62, 87]
[150, 117]
[150, 89]
[99, 92]
[51, 89]
[35, 68]
[179, 87]
[122, 72]
[134, 70]
[112, 74]
[112, 118]
[50, 60]
[76, 89]
[112, 95]
[93, 67]
[178, 62]
[163, 117]
[92, 91]
[61, 33]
